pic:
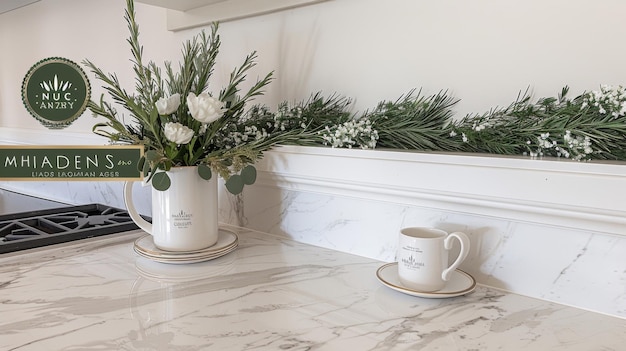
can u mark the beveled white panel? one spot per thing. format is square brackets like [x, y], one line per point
[180, 5]
[10, 5]
[228, 10]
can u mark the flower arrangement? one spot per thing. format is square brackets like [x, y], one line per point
[177, 119]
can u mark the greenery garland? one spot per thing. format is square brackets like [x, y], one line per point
[589, 126]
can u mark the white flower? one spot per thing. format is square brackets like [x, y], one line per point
[167, 106]
[177, 133]
[609, 100]
[351, 133]
[205, 108]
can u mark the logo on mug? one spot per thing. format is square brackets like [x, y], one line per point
[411, 263]
[182, 219]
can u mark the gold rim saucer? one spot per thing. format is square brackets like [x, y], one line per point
[460, 283]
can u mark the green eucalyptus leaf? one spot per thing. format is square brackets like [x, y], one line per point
[161, 181]
[235, 184]
[146, 168]
[248, 174]
[141, 163]
[151, 155]
[205, 172]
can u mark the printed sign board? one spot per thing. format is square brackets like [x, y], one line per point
[88, 163]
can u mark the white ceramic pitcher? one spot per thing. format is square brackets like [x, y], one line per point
[184, 217]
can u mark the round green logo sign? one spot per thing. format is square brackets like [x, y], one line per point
[56, 92]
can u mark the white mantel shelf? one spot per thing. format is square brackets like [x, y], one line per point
[581, 195]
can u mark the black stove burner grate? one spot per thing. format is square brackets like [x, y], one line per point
[27, 230]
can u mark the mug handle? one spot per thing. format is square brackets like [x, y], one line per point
[465, 246]
[134, 215]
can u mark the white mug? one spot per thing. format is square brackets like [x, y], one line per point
[423, 257]
[184, 217]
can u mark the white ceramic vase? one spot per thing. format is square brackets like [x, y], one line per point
[184, 217]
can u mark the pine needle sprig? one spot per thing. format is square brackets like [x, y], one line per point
[415, 122]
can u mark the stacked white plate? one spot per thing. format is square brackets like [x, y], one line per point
[226, 243]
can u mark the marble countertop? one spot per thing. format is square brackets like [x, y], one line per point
[269, 294]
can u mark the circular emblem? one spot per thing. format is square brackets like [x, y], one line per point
[56, 92]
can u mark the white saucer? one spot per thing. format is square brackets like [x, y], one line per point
[227, 242]
[460, 283]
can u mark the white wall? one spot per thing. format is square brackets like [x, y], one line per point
[482, 51]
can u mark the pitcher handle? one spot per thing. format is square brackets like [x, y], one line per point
[465, 246]
[134, 215]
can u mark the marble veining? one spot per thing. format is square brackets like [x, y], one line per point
[271, 293]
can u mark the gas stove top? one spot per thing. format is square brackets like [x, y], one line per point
[27, 230]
